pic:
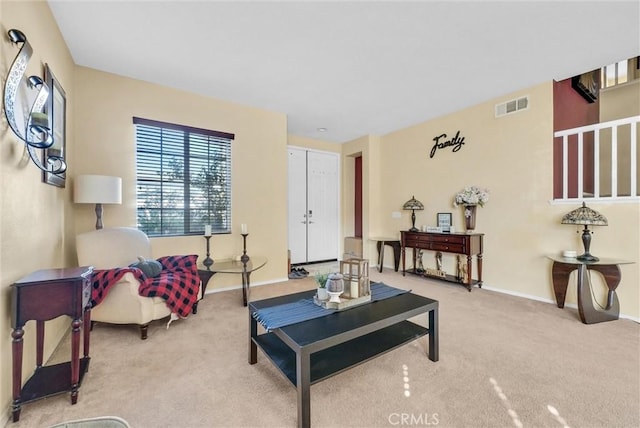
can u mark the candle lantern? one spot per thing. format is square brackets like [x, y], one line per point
[355, 272]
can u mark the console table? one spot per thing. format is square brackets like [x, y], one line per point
[392, 242]
[610, 271]
[469, 244]
[42, 296]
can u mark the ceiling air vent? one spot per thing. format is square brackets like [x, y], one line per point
[512, 106]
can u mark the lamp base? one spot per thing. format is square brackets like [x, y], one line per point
[414, 229]
[586, 257]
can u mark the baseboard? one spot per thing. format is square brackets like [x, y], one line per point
[239, 286]
[542, 299]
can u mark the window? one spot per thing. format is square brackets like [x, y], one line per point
[183, 179]
[614, 74]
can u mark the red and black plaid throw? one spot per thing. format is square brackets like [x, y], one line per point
[178, 283]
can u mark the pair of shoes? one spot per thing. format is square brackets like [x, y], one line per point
[294, 274]
[298, 273]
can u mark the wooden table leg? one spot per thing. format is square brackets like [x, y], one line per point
[588, 313]
[469, 272]
[75, 359]
[39, 343]
[560, 273]
[396, 255]
[380, 246]
[16, 347]
[479, 258]
[86, 330]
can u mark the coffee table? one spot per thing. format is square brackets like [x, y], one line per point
[311, 351]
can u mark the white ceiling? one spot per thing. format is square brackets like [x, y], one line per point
[355, 68]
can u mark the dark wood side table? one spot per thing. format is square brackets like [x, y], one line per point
[608, 268]
[392, 242]
[41, 296]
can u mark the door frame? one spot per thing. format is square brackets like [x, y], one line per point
[338, 155]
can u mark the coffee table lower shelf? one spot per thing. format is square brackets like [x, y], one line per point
[338, 358]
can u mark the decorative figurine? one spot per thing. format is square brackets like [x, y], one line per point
[420, 268]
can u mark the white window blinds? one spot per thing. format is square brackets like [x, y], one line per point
[183, 179]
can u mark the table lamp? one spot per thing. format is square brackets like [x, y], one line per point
[413, 204]
[97, 189]
[585, 216]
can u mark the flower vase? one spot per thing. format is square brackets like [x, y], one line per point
[470, 217]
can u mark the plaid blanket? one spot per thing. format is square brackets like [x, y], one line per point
[178, 283]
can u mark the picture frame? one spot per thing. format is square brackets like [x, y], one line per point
[444, 221]
[56, 109]
[587, 85]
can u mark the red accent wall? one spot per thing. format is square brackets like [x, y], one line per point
[571, 110]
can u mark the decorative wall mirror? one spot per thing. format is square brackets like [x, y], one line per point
[56, 110]
[24, 106]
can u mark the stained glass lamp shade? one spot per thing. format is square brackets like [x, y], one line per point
[585, 216]
[413, 204]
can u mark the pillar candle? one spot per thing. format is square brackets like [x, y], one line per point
[354, 289]
[207, 230]
[244, 229]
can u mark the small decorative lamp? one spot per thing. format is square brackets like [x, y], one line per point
[413, 204]
[585, 216]
[97, 189]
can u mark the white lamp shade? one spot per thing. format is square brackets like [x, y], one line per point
[97, 189]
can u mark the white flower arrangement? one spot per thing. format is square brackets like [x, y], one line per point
[471, 195]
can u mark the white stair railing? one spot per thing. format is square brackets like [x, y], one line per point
[607, 167]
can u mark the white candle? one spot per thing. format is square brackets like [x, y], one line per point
[244, 229]
[207, 230]
[354, 289]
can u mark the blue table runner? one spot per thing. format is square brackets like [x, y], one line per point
[304, 309]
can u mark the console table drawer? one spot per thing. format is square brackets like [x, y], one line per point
[415, 243]
[452, 239]
[450, 248]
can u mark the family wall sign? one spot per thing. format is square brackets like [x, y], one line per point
[440, 142]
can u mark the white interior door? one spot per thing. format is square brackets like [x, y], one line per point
[322, 206]
[297, 205]
[313, 205]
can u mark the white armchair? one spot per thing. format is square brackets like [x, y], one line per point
[113, 248]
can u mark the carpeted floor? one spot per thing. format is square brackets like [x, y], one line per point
[504, 362]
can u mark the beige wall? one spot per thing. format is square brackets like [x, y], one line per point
[108, 102]
[369, 148]
[512, 157]
[35, 218]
